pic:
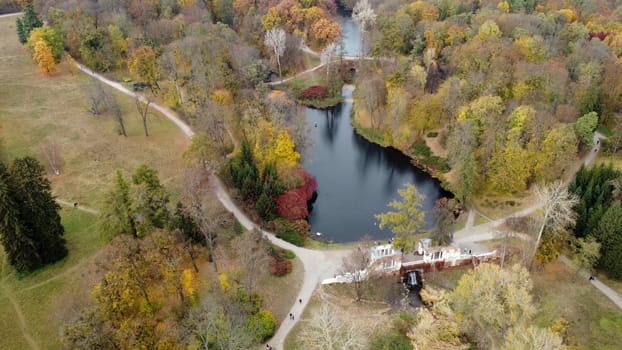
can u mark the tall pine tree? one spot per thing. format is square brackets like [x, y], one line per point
[37, 208]
[30, 227]
[609, 234]
[18, 246]
[27, 23]
[116, 216]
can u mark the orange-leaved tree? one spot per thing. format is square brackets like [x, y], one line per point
[44, 58]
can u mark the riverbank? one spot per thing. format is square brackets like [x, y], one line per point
[424, 160]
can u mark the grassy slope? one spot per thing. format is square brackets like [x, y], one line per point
[32, 108]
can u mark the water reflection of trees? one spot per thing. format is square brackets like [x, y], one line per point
[332, 123]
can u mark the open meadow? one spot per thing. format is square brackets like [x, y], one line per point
[34, 108]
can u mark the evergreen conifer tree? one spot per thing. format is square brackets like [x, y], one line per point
[30, 227]
[38, 210]
[19, 247]
[186, 225]
[116, 216]
[21, 32]
[609, 234]
[27, 23]
[150, 201]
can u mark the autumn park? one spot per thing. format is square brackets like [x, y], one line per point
[311, 174]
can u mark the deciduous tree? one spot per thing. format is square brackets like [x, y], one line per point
[489, 301]
[356, 268]
[326, 330]
[557, 209]
[407, 218]
[587, 254]
[585, 126]
[43, 56]
[364, 16]
[143, 64]
[275, 39]
[252, 252]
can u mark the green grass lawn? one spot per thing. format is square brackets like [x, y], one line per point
[595, 322]
[32, 109]
[41, 299]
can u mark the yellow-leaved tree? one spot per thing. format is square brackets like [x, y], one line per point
[279, 151]
[44, 58]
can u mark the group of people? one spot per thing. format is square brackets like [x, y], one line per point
[291, 317]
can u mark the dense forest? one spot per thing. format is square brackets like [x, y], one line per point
[513, 88]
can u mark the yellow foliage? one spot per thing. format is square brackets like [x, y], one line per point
[504, 6]
[270, 150]
[430, 40]
[182, 3]
[455, 34]
[520, 89]
[189, 282]
[532, 48]
[569, 14]
[430, 12]
[222, 97]
[224, 282]
[44, 58]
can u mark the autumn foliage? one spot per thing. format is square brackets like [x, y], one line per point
[44, 58]
[293, 203]
[315, 92]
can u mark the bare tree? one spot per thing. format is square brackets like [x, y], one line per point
[98, 99]
[252, 252]
[143, 111]
[114, 106]
[196, 190]
[51, 152]
[556, 211]
[275, 39]
[325, 330]
[504, 236]
[356, 267]
[327, 53]
[364, 16]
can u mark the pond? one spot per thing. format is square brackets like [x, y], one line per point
[356, 178]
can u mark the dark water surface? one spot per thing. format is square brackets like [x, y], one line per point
[356, 178]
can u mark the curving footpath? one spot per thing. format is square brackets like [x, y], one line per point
[318, 265]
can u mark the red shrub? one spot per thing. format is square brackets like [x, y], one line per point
[315, 92]
[293, 203]
[280, 266]
[599, 35]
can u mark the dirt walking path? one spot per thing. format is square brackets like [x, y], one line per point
[318, 265]
[20, 318]
[608, 292]
[79, 207]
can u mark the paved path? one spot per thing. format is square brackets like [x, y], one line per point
[608, 292]
[469, 235]
[11, 14]
[318, 265]
[172, 116]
